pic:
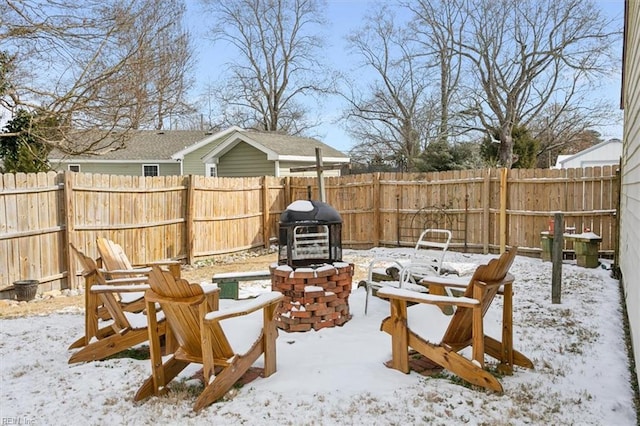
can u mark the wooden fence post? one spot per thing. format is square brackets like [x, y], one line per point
[503, 209]
[287, 191]
[189, 214]
[376, 209]
[398, 218]
[69, 221]
[265, 212]
[486, 210]
[556, 257]
[321, 192]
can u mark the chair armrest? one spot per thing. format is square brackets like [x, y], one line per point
[374, 265]
[412, 296]
[163, 262]
[414, 272]
[139, 271]
[134, 288]
[245, 308]
[209, 288]
[456, 282]
[128, 281]
[386, 259]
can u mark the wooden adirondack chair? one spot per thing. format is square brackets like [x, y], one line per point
[417, 326]
[116, 261]
[123, 330]
[117, 265]
[201, 339]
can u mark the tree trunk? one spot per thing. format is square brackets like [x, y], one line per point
[506, 147]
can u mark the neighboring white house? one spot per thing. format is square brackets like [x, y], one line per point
[605, 153]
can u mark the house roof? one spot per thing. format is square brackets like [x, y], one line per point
[565, 158]
[172, 145]
[278, 147]
[141, 145]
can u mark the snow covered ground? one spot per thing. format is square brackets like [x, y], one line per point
[337, 376]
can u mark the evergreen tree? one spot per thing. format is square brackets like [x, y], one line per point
[525, 148]
[23, 150]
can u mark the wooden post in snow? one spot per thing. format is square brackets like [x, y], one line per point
[319, 168]
[320, 172]
[556, 258]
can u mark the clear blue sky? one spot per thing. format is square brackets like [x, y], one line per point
[344, 16]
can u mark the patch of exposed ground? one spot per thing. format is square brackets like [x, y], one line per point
[203, 270]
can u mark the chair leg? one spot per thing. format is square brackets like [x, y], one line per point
[367, 288]
[477, 328]
[102, 333]
[269, 336]
[228, 377]
[109, 346]
[461, 367]
[506, 357]
[494, 349]
[399, 336]
[170, 370]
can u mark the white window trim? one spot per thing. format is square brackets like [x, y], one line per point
[69, 166]
[210, 166]
[157, 166]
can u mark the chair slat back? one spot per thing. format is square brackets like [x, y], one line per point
[459, 332]
[183, 317]
[113, 256]
[89, 265]
[431, 247]
[110, 300]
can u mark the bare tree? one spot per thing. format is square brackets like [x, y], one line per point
[277, 65]
[523, 55]
[562, 129]
[92, 65]
[437, 27]
[393, 119]
[159, 75]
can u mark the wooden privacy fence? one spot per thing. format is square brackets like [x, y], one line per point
[191, 217]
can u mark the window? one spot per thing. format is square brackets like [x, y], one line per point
[74, 168]
[150, 170]
[212, 170]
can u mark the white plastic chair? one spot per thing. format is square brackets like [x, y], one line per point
[426, 260]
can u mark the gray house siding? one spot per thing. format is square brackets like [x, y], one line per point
[630, 176]
[245, 160]
[119, 168]
[192, 163]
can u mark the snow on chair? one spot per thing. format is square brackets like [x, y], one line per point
[417, 322]
[208, 337]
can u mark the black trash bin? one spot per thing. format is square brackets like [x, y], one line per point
[25, 289]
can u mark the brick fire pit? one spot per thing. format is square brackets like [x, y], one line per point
[314, 297]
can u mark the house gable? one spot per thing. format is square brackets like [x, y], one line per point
[244, 159]
[205, 143]
[231, 142]
[193, 163]
[278, 147]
